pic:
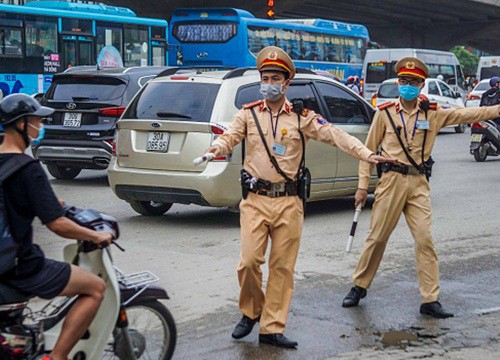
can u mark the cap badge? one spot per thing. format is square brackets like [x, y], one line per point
[410, 65]
[273, 55]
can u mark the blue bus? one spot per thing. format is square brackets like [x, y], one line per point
[233, 37]
[46, 37]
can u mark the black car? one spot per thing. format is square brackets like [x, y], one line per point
[88, 102]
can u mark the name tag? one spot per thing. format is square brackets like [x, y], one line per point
[423, 125]
[279, 149]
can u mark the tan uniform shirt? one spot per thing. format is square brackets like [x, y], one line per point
[313, 126]
[382, 133]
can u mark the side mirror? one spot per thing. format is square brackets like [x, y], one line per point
[38, 96]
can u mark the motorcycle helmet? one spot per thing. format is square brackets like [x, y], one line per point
[494, 80]
[15, 106]
[350, 80]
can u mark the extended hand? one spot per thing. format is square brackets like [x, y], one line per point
[360, 197]
[375, 159]
[212, 149]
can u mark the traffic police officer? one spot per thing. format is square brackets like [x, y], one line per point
[403, 187]
[275, 214]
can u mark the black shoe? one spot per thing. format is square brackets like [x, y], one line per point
[434, 309]
[352, 299]
[278, 340]
[244, 327]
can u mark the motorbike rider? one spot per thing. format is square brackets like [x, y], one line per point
[28, 194]
[351, 84]
[492, 96]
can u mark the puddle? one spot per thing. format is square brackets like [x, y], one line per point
[400, 338]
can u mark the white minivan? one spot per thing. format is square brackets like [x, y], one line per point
[488, 67]
[379, 66]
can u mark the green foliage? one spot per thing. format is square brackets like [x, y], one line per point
[468, 61]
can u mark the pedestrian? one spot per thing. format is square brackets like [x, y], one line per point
[271, 206]
[352, 85]
[406, 129]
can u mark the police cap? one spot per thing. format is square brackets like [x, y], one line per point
[412, 66]
[274, 58]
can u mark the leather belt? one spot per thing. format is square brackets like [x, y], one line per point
[274, 190]
[401, 168]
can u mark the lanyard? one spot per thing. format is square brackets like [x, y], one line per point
[274, 127]
[404, 127]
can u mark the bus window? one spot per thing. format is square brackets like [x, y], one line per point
[41, 36]
[159, 54]
[11, 42]
[309, 46]
[376, 73]
[353, 48]
[109, 35]
[136, 46]
[210, 32]
[334, 49]
[259, 38]
[447, 71]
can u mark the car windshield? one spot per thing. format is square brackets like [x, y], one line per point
[182, 101]
[388, 91]
[86, 88]
[482, 86]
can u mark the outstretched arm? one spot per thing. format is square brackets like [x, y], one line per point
[235, 134]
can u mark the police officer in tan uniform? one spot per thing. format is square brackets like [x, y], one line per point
[404, 187]
[272, 207]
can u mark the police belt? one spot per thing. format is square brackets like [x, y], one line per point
[274, 190]
[401, 168]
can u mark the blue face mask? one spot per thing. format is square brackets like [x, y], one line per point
[408, 92]
[41, 134]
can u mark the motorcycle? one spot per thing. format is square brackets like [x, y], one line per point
[485, 140]
[131, 322]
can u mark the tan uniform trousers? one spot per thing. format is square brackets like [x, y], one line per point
[410, 194]
[280, 219]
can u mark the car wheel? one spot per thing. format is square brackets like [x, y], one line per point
[150, 208]
[480, 154]
[63, 172]
[460, 129]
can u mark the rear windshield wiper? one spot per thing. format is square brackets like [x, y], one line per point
[81, 98]
[172, 115]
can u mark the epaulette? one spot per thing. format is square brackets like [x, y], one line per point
[304, 112]
[253, 104]
[386, 105]
[433, 106]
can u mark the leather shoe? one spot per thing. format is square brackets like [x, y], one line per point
[244, 327]
[352, 299]
[434, 309]
[278, 340]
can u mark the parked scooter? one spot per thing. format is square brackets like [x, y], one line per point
[130, 324]
[485, 140]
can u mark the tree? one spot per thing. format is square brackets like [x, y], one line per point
[468, 61]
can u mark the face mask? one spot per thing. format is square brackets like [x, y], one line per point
[41, 134]
[271, 92]
[408, 92]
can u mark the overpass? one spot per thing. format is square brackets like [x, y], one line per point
[432, 24]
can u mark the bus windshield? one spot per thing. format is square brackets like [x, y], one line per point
[377, 72]
[489, 72]
[205, 32]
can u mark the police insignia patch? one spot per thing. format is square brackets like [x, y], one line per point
[321, 120]
[304, 112]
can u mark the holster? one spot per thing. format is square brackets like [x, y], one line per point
[427, 167]
[245, 183]
[304, 183]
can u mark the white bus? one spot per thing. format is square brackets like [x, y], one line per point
[488, 67]
[379, 66]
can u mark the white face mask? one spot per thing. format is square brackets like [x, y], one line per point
[271, 92]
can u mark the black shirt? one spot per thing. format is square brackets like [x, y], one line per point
[28, 194]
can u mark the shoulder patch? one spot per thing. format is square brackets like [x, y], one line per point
[253, 104]
[386, 105]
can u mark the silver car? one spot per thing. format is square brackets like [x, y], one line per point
[176, 116]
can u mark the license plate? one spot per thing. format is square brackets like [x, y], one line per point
[72, 119]
[158, 141]
[476, 138]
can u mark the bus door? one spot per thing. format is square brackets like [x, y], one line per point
[158, 46]
[78, 50]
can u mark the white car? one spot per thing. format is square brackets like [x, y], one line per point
[435, 90]
[474, 97]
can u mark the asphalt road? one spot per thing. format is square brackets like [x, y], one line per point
[195, 251]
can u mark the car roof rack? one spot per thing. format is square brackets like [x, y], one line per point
[241, 71]
[198, 69]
